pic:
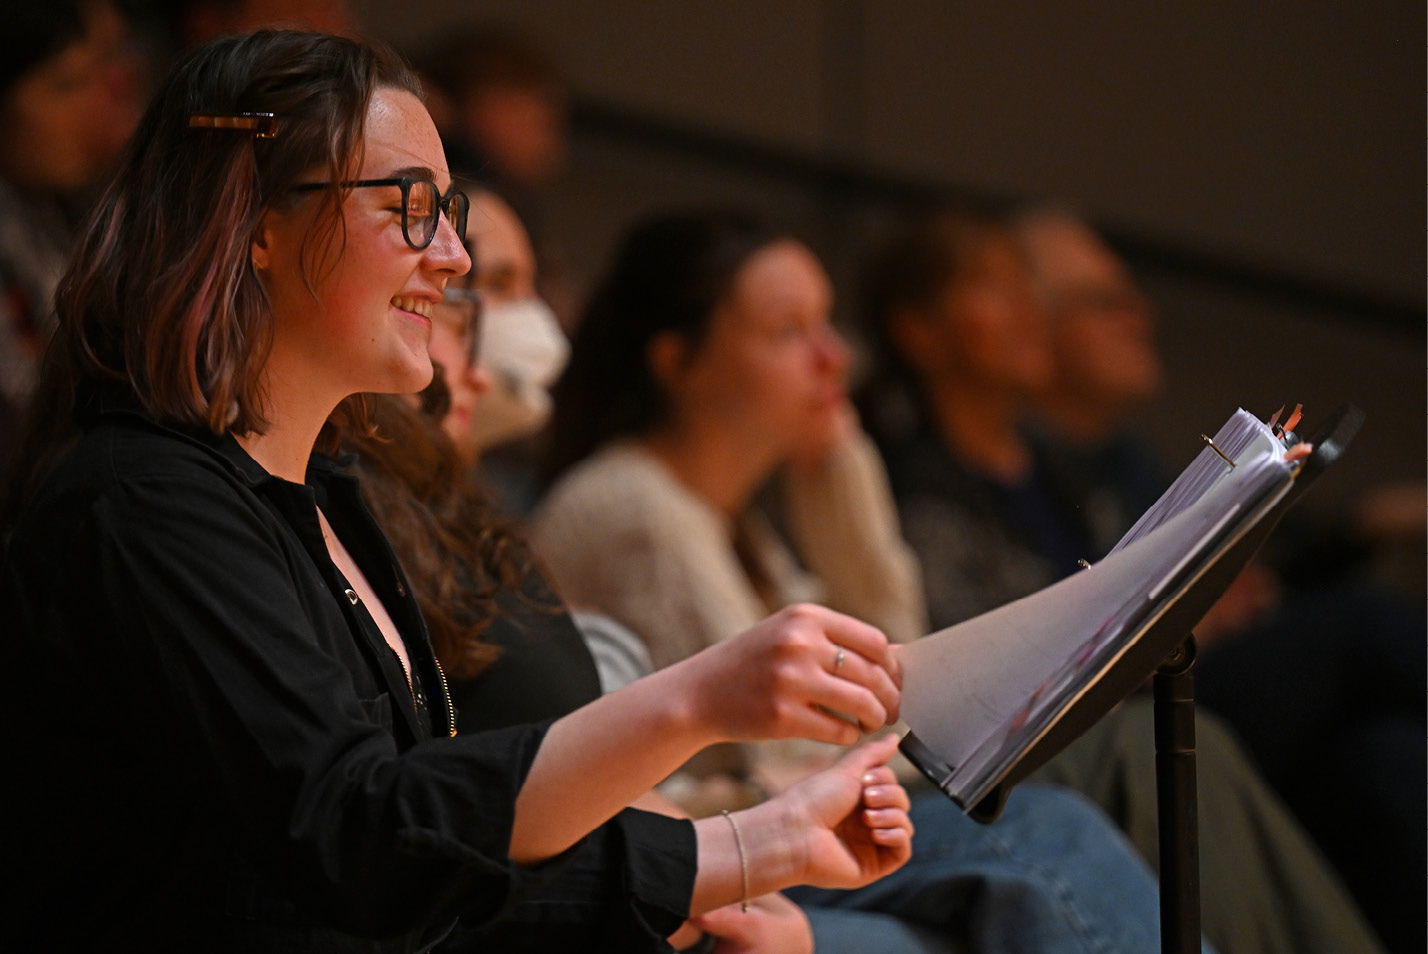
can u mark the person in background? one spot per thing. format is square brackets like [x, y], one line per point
[704, 368]
[254, 748]
[520, 351]
[70, 93]
[1344, 650]
[962, 347]
[502, 103]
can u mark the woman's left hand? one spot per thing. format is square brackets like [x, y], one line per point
[849, 824]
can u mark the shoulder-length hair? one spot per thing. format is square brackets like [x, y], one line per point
[668, 274]
[161, 296]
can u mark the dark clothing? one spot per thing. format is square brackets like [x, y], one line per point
[544, 670]
[983, 543]
[211, 746]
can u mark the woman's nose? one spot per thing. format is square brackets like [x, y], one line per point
[447, 253]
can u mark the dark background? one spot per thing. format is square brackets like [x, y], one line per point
[1260, 165]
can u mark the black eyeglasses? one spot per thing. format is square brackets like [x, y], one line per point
[422, 202]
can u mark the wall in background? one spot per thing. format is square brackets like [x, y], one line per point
[1261, 167]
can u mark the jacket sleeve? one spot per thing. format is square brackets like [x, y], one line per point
[209, 660]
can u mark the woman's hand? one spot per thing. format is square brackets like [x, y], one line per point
[851, 821]
[772, 925]
[805, 672]
[844, 827]
[817, 444]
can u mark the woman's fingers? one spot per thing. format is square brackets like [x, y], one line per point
[855, 669]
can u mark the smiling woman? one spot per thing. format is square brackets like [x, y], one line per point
[254, 746]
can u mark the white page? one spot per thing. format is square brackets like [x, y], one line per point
[972, 682]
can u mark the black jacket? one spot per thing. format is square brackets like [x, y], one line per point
[210, 745]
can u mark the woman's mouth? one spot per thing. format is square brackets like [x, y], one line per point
[417, 306]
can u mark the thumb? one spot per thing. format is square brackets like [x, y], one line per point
[871, 754]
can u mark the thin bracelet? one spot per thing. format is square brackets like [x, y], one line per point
[743, 861]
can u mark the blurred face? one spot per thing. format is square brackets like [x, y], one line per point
[503, 264]
[521, 129]
[771, 369]
[987, 328]
[66, 120]
[366, 324]
[1102, 326]
[455, 333]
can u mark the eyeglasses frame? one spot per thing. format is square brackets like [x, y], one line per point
[444, 203]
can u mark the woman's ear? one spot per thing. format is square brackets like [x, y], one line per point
[667, 354]
[259, 252]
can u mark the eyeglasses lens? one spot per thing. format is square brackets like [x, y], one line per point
[423, 204]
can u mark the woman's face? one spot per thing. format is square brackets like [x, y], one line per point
[503, 266]
[366, 322]
[67, 119]
[454, 333]
[771, 370]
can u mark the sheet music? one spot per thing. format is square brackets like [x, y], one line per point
[979, 693]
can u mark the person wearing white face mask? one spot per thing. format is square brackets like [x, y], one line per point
[517, 352]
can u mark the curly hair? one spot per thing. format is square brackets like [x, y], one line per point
[458, 553]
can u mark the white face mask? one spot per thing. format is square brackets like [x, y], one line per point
[524, 350]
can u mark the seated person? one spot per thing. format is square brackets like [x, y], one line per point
[1051, 874]
[963, 347]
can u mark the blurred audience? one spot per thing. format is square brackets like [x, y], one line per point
[995, 513]
[519, 353]
[1312, 660]
[704, 368]
[71, 88]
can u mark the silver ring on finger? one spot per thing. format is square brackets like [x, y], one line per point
[838, 659]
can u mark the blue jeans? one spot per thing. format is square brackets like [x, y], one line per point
[1053, 875]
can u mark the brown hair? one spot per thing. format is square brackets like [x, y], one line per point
[457, 552]
[161, 297]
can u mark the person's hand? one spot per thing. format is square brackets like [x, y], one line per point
[817, 444]
[805, 672]
[772, 925]
[849, 825]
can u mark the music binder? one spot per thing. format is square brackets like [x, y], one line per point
[990, 700]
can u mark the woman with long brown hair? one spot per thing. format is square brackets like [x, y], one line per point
[231, 732]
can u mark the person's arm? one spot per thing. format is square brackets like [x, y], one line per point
[845, 527]
[626, 540]
[772, 924]
[774, 681]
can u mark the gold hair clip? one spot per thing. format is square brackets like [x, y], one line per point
[261, 125]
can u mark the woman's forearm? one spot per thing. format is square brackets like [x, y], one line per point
[781, 679]
[599, 759]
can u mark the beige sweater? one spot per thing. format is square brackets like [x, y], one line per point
[623, 537]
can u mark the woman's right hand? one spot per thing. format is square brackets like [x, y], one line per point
[805, 672]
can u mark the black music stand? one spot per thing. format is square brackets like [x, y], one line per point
[1164, 647]
[1174, 706]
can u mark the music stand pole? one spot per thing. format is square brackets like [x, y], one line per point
[1177, 803]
